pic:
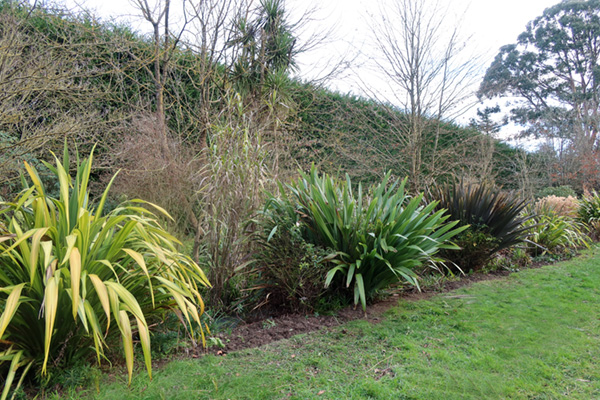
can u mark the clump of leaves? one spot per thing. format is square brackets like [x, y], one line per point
[589, 212]
[494, 218]
[554, 233]
[379, 239]
[475, 245]
[512, 259]
[73, 278]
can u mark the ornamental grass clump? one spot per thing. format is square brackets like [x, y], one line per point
[554, 233]
[495, 219]
[564, 206]
[379, 239]
[589, 212]
[73, 278]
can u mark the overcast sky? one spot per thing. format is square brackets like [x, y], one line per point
[488, 25]
[491, 23]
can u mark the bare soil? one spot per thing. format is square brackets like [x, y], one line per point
[274, 328]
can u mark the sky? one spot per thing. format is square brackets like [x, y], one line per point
[486, 25]
[489, 24]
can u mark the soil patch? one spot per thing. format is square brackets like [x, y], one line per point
[272, 329]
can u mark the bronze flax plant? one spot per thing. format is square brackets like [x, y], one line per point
[487, 209]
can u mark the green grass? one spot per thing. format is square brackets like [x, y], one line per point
[533, 335]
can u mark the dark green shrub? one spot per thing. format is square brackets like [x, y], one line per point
[512, 259]
[558, 191]
[289, 273]
[494, 218]
[519, 258]
[475, 245]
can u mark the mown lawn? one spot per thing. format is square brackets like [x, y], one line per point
[532, 335]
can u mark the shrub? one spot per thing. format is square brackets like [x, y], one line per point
[565, 206]
[557, 191]
[289, 272]
[512, 259]
[554, 233]
[475, 245]
[493, 216]
[74, 278]
[379, 239]
[589, 212]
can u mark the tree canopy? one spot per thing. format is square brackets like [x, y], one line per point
[553, 71]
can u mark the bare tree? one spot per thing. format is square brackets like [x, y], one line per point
[164, 44]
[209, 34]
[426, 73]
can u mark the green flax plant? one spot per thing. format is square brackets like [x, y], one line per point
[379, 239]
[74, 278]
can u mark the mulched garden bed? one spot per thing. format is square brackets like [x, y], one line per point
[278, 327]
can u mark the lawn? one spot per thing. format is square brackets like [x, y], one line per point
[532, 335]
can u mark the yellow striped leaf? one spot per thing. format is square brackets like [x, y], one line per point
[50, 306]
[75, 268]
[144, 334]
[93, 321]
[35, 251]
[126, 298]
[127, 342]
[139, 259]
[34, 178]
[20, 238]
[102, 293]
[162, 210]
[10, 307]
[71, 239]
